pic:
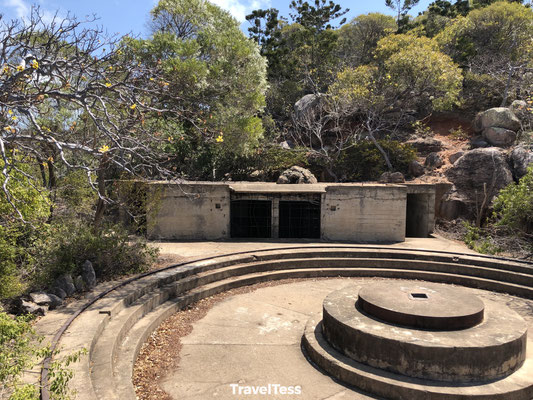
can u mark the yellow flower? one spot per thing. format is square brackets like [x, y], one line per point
[104, 149]
[107, 84]
[20, 68]
[10, 112]
[133, 106]
[5, 70]
[35, 64]
[219, 138]
[51, 159]
[7, 128]
[14, 117]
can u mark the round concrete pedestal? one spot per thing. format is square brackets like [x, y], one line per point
[422, 334]
[422, 305]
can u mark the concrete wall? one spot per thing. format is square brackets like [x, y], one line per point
[191, 211]
[364, 213]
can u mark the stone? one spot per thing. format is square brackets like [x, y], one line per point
[391, 177]
[433, 161]
[58, 292]
[40, 298]
[296, 174]
[474, 169]
[55, 301]
[425, 146]
[66, 283]
[307, 106]
[88, 274]
[416, 169]
[520, 158]
[455, 156]
[257, 176]
[519, 108]
[28, 307]
[500, 117]
[454, 205]
[79, 283]
[499, 137]
[478, 142]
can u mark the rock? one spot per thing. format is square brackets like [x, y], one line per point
[433, 161]
[519, 108]
[28, 307]
[416, 169]
[478, 142]
[286, 145]
[296, 174]
[307, 106]
[453, 206]
[499, 137]
[55, 301]
[477, 167]
[88, 275]
[66, 283]
[425, 146]
[257, 176]
[455, 156]
[500, 117]
[40, 298]
[79, 283]
[391, 177]
[58, 292]
[520, 158]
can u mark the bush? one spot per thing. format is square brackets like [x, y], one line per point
[513, 207]
[65, 246]
[20, 350]
[364, 162]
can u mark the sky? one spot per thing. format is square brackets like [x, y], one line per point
[130, 16]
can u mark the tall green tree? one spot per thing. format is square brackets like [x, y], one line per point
[401, 7]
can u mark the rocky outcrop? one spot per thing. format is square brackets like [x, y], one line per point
[433, 161]
[425, 146]
[476, 172]
[391, 177]
[416, 169]
[520, 159]
[296, 174]
[498, 126]
[455, 156]
[500, 117]
[307, 106]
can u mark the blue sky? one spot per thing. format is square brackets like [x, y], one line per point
[123, 16]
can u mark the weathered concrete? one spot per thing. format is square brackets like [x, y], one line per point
[487, 351]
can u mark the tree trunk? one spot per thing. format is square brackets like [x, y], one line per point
[385, 156]
[101, 204]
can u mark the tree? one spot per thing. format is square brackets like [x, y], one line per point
[358, 39]
[213, 69]
[106, 95]
[494, 47]
[401, 8]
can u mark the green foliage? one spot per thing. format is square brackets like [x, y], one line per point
[513, 207]
[458, 133]
[64, 247]
[216, 72]
[479, 240]
[359, 38]
[20, 351]
[363, 161]
[421, 129]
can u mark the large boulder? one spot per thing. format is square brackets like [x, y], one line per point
[477, 142]
[425, 146]
[391, 177]
[88, 274]
[520, 159]
[469, 174]
[66, 283]
[296, 174]
[500, 117]
[499, 137]
[307, 106]
[433, 161]
[416, 169]
[28, 307]
[519, 108]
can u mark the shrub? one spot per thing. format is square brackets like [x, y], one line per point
[364, 162]
[65, 246]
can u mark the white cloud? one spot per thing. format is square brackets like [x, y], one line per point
[240, 8]
[20, 8]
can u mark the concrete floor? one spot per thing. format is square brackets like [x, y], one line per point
[197, 249]
[253, 339]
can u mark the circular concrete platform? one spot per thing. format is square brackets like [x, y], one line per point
[422, 305]
[490, 350]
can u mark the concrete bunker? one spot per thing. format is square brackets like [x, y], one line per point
[356, 212]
